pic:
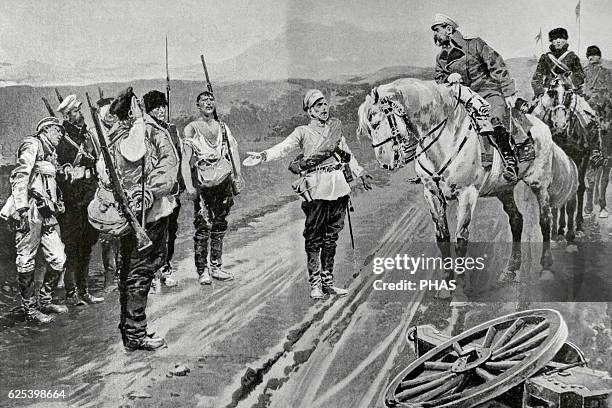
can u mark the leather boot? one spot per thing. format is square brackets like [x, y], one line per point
[313, 266]
[28, 299]
[50, 281]
[501, 141]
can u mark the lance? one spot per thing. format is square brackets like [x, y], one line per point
[167, 83]
[60, 98]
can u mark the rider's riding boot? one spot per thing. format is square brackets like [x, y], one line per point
[501, 140]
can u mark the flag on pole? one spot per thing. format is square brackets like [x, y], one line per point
[538, 37]
[578, 11]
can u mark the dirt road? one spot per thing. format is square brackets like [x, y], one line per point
[261, 341]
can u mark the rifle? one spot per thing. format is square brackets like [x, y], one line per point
[101, 93]
[59, 96]
[167, 83]
[142, 239]
[48, 106]
[235, 189]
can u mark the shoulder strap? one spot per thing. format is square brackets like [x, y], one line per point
[224, 138]
[557, 61]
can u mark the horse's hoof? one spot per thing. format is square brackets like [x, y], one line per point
[508, 276]
[570, 248]
[547, 275]
[579, 234]
[554, 244]
[459, 300]
[442, 294]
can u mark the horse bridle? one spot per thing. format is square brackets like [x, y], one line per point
[404, 147]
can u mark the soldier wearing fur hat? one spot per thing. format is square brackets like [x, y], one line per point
[207, 171]
[156, 106]
[32, 210]
[560, 61]
[147, 161]
[326, 166]
[598, 93]
[77, 180]
[483, 70]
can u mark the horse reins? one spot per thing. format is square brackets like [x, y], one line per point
[390, 110]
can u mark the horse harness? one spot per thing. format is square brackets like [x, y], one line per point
[404, 148]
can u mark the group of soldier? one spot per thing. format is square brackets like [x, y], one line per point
[474, 64]
[60, 179]
[61, 184]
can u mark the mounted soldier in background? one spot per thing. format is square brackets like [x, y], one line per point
[598, 93]
[561, 63]
[32, 211]
[76, 156]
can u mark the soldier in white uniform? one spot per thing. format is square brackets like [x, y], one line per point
[31, 210]
[327, 181]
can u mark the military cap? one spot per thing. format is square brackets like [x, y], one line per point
[71, 102]
[593, 50]
[311, 97]
[46, 122]
[556, 33]
[440, 18]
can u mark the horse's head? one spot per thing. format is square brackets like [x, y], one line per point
[560, 93]
[384, 121]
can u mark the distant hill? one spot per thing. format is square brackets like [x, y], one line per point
[257, 110]
[302, 50]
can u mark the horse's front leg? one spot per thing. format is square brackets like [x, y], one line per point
[516, 227]
[437, 209]
[543, 198]
[467, 199]
[582, 169]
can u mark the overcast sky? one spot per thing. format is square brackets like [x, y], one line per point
[111, 32]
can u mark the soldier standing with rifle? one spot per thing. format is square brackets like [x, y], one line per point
[211, 172]
[143, 154]
[76, 155]
[326, 166]
[31, 210]
[156, 106]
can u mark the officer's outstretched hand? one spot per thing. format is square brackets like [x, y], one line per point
[366, 180]
[254, 159]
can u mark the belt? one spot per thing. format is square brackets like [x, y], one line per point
[77, 173]
[325, 168]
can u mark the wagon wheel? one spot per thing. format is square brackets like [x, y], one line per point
[481, 363]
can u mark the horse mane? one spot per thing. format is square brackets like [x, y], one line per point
[426, 103]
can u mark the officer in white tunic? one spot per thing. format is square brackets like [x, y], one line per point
[327, 185]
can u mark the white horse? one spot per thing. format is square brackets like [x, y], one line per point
[410, 119]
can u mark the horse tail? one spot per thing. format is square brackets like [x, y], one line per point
[564, 183]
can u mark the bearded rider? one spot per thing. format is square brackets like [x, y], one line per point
[483, 70]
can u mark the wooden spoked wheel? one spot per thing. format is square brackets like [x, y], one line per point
[481, 363]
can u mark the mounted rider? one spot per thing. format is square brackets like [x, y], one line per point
[561, 62]
[483, 70]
